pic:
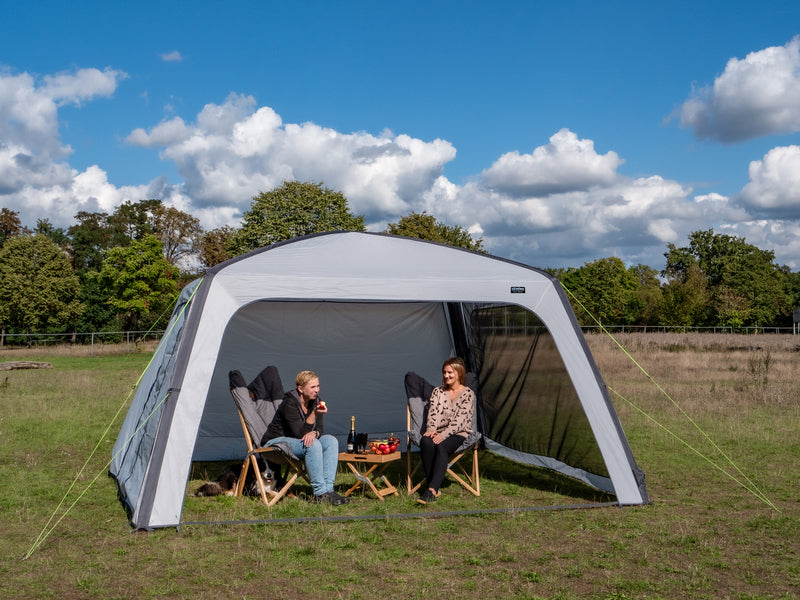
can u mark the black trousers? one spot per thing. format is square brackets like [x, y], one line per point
[436, 456]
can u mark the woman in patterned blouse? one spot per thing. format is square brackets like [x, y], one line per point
[449, 423]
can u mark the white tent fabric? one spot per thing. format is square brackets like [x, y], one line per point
[359, 309]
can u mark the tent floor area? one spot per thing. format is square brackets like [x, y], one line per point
[504, 485]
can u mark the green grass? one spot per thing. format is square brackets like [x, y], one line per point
[703, 536]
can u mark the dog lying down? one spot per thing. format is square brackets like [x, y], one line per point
[225, 484]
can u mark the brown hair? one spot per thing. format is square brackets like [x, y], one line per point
[303, 377]
[458, 366]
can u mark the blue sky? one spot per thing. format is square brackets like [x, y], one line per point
[559, 132]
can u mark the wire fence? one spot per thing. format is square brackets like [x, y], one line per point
[131, 339]
[514, 320]
[682, 329]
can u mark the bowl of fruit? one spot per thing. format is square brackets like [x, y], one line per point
[384, 446]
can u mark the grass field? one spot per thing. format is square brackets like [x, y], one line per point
[703, 536]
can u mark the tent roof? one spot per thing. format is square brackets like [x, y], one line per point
[364, 266]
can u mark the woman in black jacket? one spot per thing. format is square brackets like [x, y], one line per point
[299, 423]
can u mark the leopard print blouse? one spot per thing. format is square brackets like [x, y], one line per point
[451, 418]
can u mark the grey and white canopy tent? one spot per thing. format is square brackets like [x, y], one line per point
[361, 310]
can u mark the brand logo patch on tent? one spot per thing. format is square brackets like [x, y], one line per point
[517, 289]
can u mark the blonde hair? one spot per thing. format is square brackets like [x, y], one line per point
[303, 377]
[458, 366]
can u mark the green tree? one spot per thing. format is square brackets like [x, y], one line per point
[38, 289]
[604, 288]
[10, 225]
[56, 234]
[793, 289]
[90, 237]
[213, 246]
[744, 285]
[141, 283]
[686, 299]
[426, 227]
[179, 232]
[291, 210]
[758, 287]
[647, 296]
[132, 221]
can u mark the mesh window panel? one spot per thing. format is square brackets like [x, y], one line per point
[529, 402]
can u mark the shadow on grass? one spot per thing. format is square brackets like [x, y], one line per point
[502, 482]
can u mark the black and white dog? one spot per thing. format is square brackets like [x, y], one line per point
[225, 483]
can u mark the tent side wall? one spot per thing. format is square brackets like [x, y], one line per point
[625, 479]
[554, 310]
[133, 448]
[166, 475]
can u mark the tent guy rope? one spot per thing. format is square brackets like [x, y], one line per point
[750, 486]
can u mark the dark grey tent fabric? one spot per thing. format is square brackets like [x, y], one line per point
[522, 373]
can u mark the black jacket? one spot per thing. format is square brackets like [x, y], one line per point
[290, 421]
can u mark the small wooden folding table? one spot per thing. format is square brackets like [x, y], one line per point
[374, 474]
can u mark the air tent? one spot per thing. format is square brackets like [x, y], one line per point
[361, 310]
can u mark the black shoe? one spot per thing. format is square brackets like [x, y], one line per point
[341, 499]
[426, 497]
[330, 498]
[321, 499]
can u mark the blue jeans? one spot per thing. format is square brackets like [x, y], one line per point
[321, 458]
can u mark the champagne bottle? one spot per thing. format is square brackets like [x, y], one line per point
[351, 437]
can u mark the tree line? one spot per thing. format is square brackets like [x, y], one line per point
[717, 280]
[122, 271]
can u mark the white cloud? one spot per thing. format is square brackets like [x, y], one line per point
[173, 56]
[774, 186]
[29, 108]
[163, 134]
[565, 164]
[630, 218]
[712, 197]
[74, 191]
[234, 150]
[753, 97]
[560, 205]
[84, 84]
[602, 214]
[35, 180]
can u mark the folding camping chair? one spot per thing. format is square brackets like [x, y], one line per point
[418, 398]
[255, 415]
